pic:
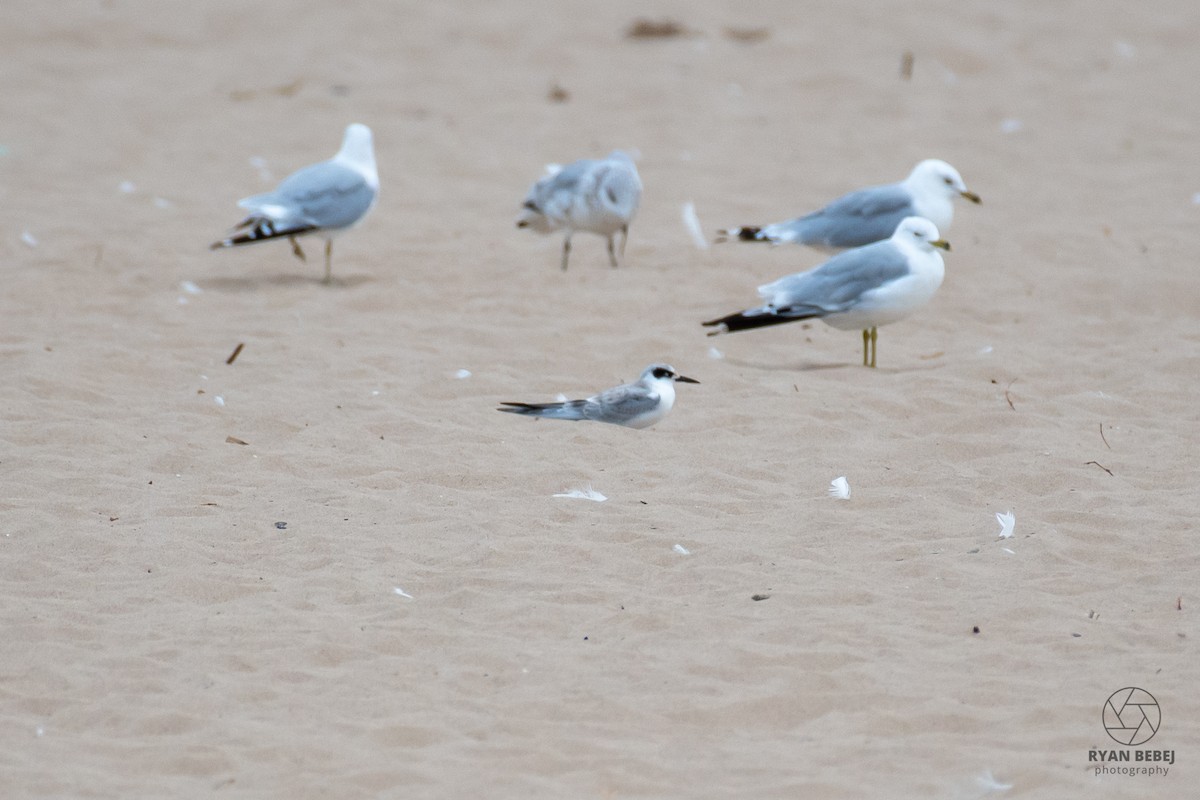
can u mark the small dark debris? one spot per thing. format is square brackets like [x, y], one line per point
[748, 35]
[975, 629]
[642, 28]
[557, 94]
[281, 525]
[757, 597]
[234, 440]
[585, 638]
[237, 351]
[1098, 464]
[1077, 635]
[906, 65]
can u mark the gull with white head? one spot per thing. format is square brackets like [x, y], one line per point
[323, 199]
[860, 289]
[871, 214]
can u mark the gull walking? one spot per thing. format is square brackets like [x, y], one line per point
[634, 405]
[600, 196]
[872, 214]
[323, 199]
[861, 288]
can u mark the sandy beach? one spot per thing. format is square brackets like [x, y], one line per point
[330, 569]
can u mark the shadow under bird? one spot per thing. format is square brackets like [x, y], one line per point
[596, 195]
[871, 214]
[635, 405]
[323, 200]
[861, 288]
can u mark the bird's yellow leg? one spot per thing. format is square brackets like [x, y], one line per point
[874, 340]
[866, 341]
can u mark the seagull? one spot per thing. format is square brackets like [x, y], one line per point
[634, 405]
[861, 288]
[872, 214]
[600, 196]
[324, 199]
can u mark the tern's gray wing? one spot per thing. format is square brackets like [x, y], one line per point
[859, 218]
[621, 404]
[325, 195]
[839, 283]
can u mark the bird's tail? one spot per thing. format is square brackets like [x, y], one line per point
[746, 233]
[259, 229]
[752, 318]
[572, 409]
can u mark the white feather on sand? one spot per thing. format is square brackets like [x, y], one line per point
[583, 494]
[840, 488]
[692, 223]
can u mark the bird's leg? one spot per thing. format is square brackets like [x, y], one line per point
[624, 239]
[566, 251]
[296, 249]
[866, 342]
[329, 261]
[612, 256]
[874, 339]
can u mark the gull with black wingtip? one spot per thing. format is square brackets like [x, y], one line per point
[871, 214]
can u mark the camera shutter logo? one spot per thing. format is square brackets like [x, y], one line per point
[1131, 716]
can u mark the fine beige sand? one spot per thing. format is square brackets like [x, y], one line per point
[200, 599]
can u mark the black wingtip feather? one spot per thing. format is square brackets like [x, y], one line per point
[742, 321]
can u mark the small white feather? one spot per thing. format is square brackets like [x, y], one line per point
[126, 187]
[219, 400]
[692, 223]
[190, 287]
[988, 783]
[29, 239]
[715, 354]
[402, 593]
[683, 551]
[1007, 521]
[840, 488]
[583, 494]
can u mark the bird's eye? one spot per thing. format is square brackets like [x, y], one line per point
[949, 181]
[662, 373]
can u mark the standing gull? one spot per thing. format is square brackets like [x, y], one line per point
[872, 214]
[600, 196]
[861, 288]
[324, 199]
[634, 405]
